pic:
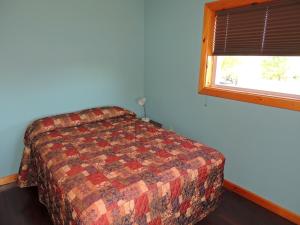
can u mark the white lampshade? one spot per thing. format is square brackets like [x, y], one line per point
[141, 101]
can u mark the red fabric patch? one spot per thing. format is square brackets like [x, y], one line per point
[58, 192]
[71, 152]
[48, 122]
[133, 165]
[129, 137]
[141, 205]
[102, 143]
[111, 159]
[167, 141]
[83, 157]
[114, 133]
[74, 117]
[82, 129]
[106, 124]
[117, 184]
[56, 146]
[102, 221]
[154, 169]
[55, 134]
[184, 206]
[175, 186]
[97, 178]
[24, 174]
[208, 192]
[97, 112]
[156, 221]
[183, 172]
[152, 129]
[187, 144]
[163, 153]
[88, 139]
[116, 148]
[202, 174]
[182, 157]
[142, 149]
[75, 170]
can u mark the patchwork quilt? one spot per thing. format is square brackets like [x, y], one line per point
[104, 166]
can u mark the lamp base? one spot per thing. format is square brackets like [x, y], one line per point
[146, 119]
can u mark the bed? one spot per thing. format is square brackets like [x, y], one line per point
[105, 166]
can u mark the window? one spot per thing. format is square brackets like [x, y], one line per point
[251, 52]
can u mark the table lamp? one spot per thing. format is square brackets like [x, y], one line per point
[142, 102]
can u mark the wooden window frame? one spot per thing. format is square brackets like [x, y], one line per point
[208, 64]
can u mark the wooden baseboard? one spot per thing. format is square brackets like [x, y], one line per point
[8, 179]
[291, 216]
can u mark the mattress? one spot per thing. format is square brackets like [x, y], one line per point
[105, 166]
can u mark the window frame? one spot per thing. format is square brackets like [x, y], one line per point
[208, 65]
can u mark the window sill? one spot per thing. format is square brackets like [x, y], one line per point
[291, 103]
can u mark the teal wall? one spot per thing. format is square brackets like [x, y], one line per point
[261, 144]
[64, 55]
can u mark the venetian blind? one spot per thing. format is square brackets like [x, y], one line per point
[271, 28]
